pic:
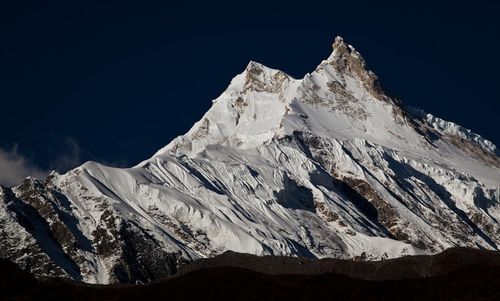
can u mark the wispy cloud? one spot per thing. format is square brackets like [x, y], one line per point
[67, 154]
[14, 168]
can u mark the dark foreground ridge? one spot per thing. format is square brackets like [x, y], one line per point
[456, 274]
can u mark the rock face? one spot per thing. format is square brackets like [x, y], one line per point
[324, 166]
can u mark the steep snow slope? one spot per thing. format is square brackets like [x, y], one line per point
[324, 166]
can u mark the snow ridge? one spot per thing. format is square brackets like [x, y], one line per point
[450, 128]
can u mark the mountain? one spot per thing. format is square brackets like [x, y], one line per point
[324, 166]
[456, 274]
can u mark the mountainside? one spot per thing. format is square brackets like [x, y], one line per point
[324, 166]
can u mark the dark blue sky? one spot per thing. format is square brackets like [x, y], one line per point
[115, 82]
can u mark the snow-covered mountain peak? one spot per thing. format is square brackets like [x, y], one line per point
[262, 103]
[340, 99]
[323, 166]
[247, 114]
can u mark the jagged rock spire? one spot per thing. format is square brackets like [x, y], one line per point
[346, 60]
[342, 49]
